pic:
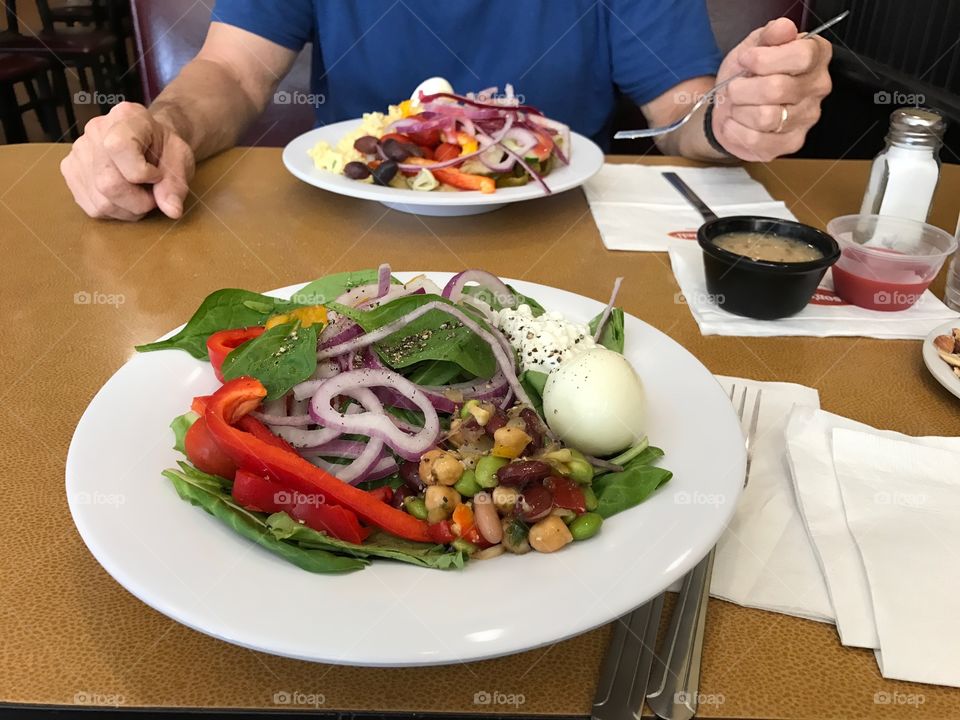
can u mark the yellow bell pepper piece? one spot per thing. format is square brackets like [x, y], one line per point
[315, 314]
[406, 108]
[467, 144]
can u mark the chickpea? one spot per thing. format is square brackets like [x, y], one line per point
[505, 498]
[550, 534]
[440, 502]
[439, 466]
[509, 442]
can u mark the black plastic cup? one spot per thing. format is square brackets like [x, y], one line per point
[763, 289]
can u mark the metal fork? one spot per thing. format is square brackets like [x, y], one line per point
[675, 677]
[711, 93]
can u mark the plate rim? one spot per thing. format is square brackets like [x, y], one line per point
[142, 591]
[295, 151]
[935, 365]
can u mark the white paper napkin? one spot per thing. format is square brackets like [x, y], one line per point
[636, 209]
[826, 315]
[902, 503]
[765, 558]
[810, 453]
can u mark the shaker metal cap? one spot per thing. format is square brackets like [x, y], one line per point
[917, 126]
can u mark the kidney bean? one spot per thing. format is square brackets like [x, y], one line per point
[496, 421]
[410, 474]
[366, 145]
[356, 170]
[522, 472]
[535, 503]
[534, 427]
[399, 495]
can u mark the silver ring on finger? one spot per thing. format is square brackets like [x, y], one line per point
[784, 116]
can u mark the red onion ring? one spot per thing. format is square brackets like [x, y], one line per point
[607, 310]
[372, 423]
[503, 357]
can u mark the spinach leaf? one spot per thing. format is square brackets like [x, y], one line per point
[280, 358]
[180, 425]
[221, 310]
[434, 372]
[482, 293]
[638, 480]
[378, 544]
[433, 336]
[204, 491]
[533, 382]
[612, 336]
[330, 287]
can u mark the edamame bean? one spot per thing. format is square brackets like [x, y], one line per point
[586, 526]
[464, 546]
[467, 485]
[590, 499]
[580, 470]
[416, 507]
[486, 471]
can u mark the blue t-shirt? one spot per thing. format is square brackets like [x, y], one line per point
[566, 57]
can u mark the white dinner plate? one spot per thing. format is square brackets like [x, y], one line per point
[942, 372]
[189, 566]
[586, 159]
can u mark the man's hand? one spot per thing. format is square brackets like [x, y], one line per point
[768, 113]
[127, 163]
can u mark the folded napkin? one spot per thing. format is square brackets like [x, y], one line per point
[764, 559]
[636, 209]
[902, 503]
[826, 315]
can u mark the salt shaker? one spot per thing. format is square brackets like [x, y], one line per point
[904, 175]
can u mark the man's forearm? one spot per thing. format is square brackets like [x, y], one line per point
[206, 106]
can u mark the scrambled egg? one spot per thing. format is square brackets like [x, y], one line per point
[335, 157]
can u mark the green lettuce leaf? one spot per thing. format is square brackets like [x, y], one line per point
[207, 491]
[378, 544]
[612, 336]
[329, 288]
[221, 310]
[180, 425]
[619, 491]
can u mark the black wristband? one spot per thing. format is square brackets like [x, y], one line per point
[708, 132]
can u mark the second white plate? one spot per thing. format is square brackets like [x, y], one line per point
[586, 159]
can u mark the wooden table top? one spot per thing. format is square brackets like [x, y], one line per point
[73, 636]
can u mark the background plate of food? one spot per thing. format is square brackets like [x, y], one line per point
[941, 355]
[446, 154]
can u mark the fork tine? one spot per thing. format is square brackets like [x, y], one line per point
[752, 431]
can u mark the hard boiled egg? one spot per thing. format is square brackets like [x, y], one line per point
[429, 87]
[595, 402]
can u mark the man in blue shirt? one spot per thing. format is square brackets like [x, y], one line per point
[567, 57]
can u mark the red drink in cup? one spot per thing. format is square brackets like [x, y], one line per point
[886, 263]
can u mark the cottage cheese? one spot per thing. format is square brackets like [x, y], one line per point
[543, 343]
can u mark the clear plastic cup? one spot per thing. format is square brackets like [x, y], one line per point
[952, 296]
[886, 263]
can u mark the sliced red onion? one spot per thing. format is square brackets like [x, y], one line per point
[607, 310]
[503, 357]
[275, 421]
[301, 438]
[558, 128]
[371, 423]
[538, 178]
[484, 142]
[359, 468]
[385, 467]
[603, 464]
[338, 332]
[453, 290]
[383, 280]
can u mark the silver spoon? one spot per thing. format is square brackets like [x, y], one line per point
[709, 94]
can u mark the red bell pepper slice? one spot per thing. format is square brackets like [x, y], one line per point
[256, 492]
[202, 450]
[240, 396]
[441, 532]
[220, 344]
[566, 493]
[384, 493]
[248, 423]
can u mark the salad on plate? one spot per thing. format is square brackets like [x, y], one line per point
[369, 418]
[438, 141]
